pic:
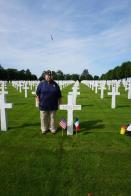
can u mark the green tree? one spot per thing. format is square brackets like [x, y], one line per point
[14, 74]
[85, 72]
[96, 77]
[85, 75]
[54, 74]
[119, 72]
[67, 77]
[60, 75]
[75, 77]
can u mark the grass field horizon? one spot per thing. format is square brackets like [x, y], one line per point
[97, 160]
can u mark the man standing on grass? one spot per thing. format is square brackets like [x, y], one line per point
[48, 97]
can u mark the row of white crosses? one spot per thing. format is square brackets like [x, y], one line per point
[102, 86]
[127, 85]
[25, 85]
[94, 85]
[64, 83]
[129, 90]
[32, 85]
[3, 107]
[70, 107]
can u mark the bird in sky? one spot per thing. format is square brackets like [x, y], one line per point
[51, 37]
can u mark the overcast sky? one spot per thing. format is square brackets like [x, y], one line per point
[67, 35]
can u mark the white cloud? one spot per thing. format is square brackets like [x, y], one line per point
[80, 40]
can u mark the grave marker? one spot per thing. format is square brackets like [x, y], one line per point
[70, 107]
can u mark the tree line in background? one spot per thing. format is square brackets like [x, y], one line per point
[119, 72]
[59, 75]
[14, 74]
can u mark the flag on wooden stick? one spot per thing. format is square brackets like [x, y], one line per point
[77, 124]
[63, 123]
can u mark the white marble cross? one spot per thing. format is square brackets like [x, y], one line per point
[76, 85]
[96, 86]
[61, 87]
[36, 101]
[109, 84]
[26, 89]
[102, 88]
[70, 107]
[75, 88]
[74, 94]
[117, 84]
[113, 94]
[93, 85]
[125, 84]
[3, 89]
[3, 115]
[20, 86]
[31, 85]
[129, 90]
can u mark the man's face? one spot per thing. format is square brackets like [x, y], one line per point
[48, 77]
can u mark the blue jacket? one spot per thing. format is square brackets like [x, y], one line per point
[49, 94]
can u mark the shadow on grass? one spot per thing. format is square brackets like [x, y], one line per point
[37, 124]
[123, 106]
[87, 105]
[25, 125]
[107, 97]
[84, 97]
[88, 126]
[22, 103]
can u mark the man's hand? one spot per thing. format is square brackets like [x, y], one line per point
[37, 101]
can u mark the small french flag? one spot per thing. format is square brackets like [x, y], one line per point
[77, 124]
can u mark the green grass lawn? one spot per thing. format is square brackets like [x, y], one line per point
[98, 159]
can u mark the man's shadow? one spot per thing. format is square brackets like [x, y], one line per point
[25, 125]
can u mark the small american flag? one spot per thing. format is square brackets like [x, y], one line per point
[63, 123]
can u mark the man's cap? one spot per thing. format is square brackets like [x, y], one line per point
[48, 72]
